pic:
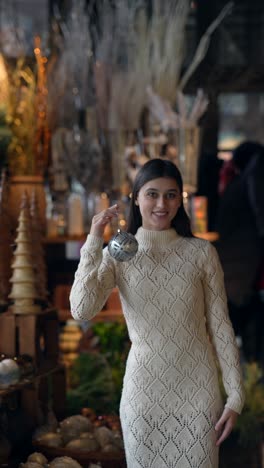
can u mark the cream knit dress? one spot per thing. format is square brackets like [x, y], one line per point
[174, 304]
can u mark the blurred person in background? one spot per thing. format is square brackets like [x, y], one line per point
[240, 224]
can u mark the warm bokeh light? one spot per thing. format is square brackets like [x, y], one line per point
[4, 89]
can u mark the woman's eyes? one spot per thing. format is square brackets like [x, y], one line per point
[171, 195]
[168, 196]
[152, 194]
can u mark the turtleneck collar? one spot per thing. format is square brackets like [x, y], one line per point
[150, 238]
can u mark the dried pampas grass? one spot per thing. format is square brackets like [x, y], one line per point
[133, 51]
[68, 69]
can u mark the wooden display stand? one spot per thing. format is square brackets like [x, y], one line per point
[33, 334]
[47, 389]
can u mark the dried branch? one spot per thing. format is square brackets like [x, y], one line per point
[204, 44]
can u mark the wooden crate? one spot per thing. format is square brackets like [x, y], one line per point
[33, 334]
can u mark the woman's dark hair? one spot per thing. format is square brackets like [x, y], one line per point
[154, 169]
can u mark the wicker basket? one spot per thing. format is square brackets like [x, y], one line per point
[107, 460]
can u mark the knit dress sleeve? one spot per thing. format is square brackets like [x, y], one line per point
[94, 280]
[221, 330]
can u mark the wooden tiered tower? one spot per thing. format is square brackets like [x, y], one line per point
[29, 329]
[24, 287]
[5, 244]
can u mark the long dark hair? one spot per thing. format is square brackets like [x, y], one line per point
[154, 169]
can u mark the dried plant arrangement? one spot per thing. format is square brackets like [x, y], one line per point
[76, 155]
[134, 50]
[13, 41]
[26, 116]
[186, 116]
[130, 50]
[68, 67]
[20, 117]
[165, 46]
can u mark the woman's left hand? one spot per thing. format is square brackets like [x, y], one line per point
[225, 424]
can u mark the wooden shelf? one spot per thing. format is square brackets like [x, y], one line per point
[63, 239]
[33, 334]
[29, 381]
[210, 236]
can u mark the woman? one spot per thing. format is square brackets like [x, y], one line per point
[174, 304]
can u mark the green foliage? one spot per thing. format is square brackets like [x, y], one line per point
[248, 431]
[114, 346]
[112, 335]
[96, 379]
[250, 423]
[91, 385]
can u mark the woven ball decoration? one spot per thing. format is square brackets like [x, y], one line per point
[123, 246]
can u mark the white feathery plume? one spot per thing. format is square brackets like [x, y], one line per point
[161, 110]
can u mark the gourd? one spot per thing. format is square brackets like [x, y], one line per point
[73, 426]
[64, 462]
[88, 443]
[37, 458]
[51, 439]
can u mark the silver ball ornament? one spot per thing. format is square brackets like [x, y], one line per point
[123, 246]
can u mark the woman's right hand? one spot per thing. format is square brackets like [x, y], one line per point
[101, 219]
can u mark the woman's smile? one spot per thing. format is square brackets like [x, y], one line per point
[159, 201]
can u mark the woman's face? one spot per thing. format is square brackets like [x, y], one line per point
[159, 201]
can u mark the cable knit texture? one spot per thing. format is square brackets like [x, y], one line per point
[174, 303]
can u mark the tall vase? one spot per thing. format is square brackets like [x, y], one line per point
[29, 184]
[188, 147]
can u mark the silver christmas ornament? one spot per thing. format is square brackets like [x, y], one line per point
[123, 246]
